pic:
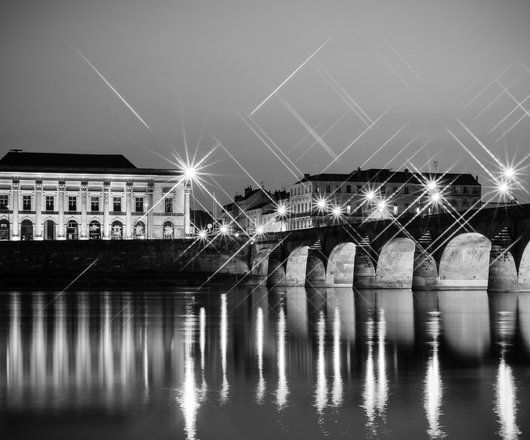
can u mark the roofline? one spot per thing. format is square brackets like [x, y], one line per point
[89, 171]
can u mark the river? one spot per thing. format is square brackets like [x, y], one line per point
[253, 363]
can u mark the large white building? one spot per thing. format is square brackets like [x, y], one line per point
[49, 196]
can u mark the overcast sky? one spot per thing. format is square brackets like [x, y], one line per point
[202, 66]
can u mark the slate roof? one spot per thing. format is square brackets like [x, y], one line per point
[389, 176]
[74, 163]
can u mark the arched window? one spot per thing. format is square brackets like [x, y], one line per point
[72, 230]
[4, 230]
[26, 230]
[49, 230]
[168, 230]
[94, 230]
[117, 230]
[139, 230]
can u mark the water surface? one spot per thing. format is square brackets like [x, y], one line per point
[252, 363]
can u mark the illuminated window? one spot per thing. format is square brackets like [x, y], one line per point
[49, 203]
[139, 204]
[94, 203]
[116, 204]
[168, 205]
[72, 203]
[4, 201]
[26, 203]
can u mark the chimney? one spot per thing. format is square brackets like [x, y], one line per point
[248, 190]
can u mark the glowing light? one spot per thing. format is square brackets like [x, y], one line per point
[381, 206]
[260, 230]
[509, 173]
[322, 204]
[436, 197]
[432, 185]
[190, 172]
[281, 209]
[202, 235]
[503, 188]
[223, 229]
[370, 195]
[337, 211]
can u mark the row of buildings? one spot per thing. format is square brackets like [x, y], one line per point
[50, 196]
[321, 199]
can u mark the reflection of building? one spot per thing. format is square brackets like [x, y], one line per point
[48, 196]
[378, 193]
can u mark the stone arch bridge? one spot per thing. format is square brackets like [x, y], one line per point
[481, 249]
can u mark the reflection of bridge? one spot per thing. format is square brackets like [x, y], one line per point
[480, 249]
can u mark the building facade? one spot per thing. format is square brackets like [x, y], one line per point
[48, 196]
[317, 200]
[255, 211]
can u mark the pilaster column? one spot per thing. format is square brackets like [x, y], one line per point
[150, 216]
[84, 221]
[15, 226]
[128, 210]
[38, 210]
[106, 217]
[61, 226]
[187, 191]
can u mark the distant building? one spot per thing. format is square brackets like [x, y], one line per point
[49, 196]
[255, 211]
[378, 193]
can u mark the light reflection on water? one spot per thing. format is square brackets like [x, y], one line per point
[331, 362]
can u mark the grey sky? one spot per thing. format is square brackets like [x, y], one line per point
[203, 61]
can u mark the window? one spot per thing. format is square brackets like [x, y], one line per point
[348, 188]
[168, 205]
[4, 202]
[383, 189]
[395, 189]
[116, 204]
[465, 189]
[26, 203]
[72, 203]
[358, 188]
[476, 190]
[94, 203]
[328, 188]
[72, 229]
[49, 203]
[139, 204]
[406, 190]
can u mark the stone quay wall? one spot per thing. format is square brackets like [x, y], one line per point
[121, 263]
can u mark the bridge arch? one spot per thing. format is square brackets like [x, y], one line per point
[464, 263]
[295, 273]
[341, 263]
[395, 264]
[524, 269]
